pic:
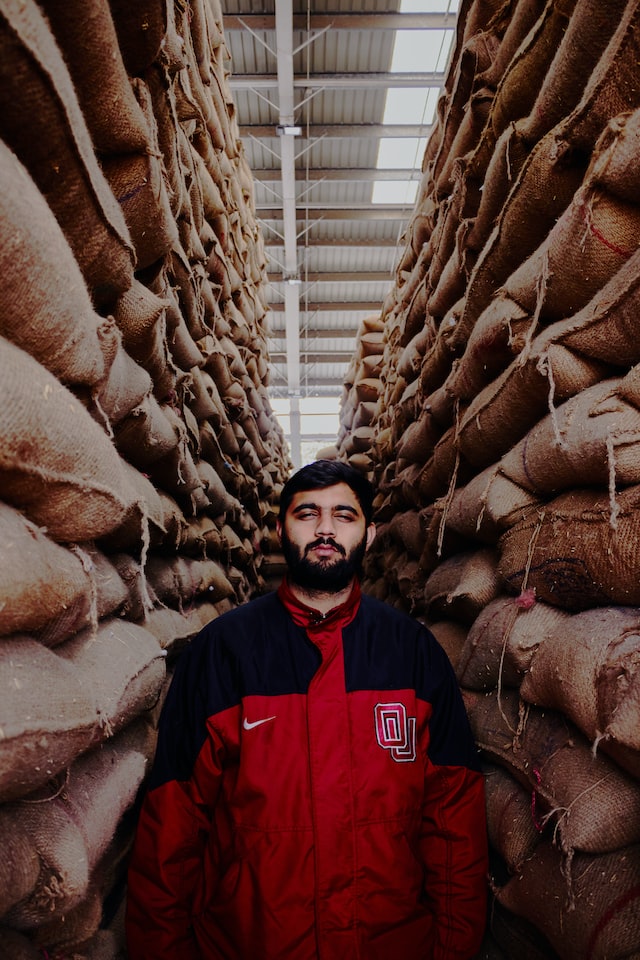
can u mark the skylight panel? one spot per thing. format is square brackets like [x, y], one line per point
[401, 153]
[421, 50]
[410, 105]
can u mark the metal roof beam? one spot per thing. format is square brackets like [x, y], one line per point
[351, 174]
[341, 306]
[340, 131]
[318, 334]
[377, 211]
[275, 243]
[344, 21]
[340, 81]
[340, 276]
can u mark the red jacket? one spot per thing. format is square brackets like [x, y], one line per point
[316, 795]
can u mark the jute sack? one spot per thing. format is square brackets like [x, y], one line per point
[520, 22]
[611, 89]
[72, 933]
[474, 56]
[70, 830]
[578, 552]
[525, 73]
[503, 640]
[544, 183]
[43, 124]
[589, 801]
[564, 359]
[585, 39]
[43, 586]
[462, 585]
[589, 670]
[504, 410]
[139, 184]
[614, 164]
[590, 910]
[173, 629]
[46, 308]
[583, 251]
[123, 665]
[451, 637]
[179, 581]
[137, 312]
[141, 32]
[510, 825]
[593, 438]
[146, 434]
[48, 716]
[488, 505]
[56, 463]
[495, 339]
[87, 38]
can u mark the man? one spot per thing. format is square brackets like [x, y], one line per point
[316, 793]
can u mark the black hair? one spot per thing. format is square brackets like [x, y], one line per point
[327, 473]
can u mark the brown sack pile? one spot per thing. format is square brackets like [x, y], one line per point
[506, 453]
[140, 460]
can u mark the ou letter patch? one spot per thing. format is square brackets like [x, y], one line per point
[395, 731]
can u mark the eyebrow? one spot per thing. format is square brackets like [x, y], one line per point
[314, 506]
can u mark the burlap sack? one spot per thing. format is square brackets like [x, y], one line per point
[503, 412]
[87, 38]
[179, 581]
[503, 640]
[141, 31]
[70, 830]
[56, 463]
[48, 716]
[520, 21]
[583, 251]
[593, 438]
[510, 825]
[614, 164]
[44, 587]
[43, 124]
[46, 310]
[139, 183]
[590, 803]
[585, 39]
[577, 552]
[488, 505]
[137, 313]
[122, 664]
[451, 637]
[462, 585]
[146, 434]
[589, 669]
[611, 88]
[594, 911]
[527, 69]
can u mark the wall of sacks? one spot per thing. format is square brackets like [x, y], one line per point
[507, 452]
[139, 457]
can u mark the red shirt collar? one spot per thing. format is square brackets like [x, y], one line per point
[309, 618]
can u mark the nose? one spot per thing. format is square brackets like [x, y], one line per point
[326, 525]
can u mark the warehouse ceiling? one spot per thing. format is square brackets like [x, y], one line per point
[334, 104]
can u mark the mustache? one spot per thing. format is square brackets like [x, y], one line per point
[325, 542]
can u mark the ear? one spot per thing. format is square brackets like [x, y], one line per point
[279, 530]
[371, 534]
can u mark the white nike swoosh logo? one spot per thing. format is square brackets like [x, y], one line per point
[255, 723]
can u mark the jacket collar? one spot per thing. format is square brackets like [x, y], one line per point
[309, 618]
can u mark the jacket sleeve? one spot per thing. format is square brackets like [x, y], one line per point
[165, 874]
[454, 835]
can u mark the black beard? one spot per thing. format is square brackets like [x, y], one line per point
[331, 576]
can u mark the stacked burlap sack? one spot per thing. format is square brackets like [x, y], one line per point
[140, 461]
[361, 390]
[509, 479]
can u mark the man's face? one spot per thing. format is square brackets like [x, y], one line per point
[324, 538]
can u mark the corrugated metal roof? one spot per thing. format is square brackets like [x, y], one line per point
[340, 57]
